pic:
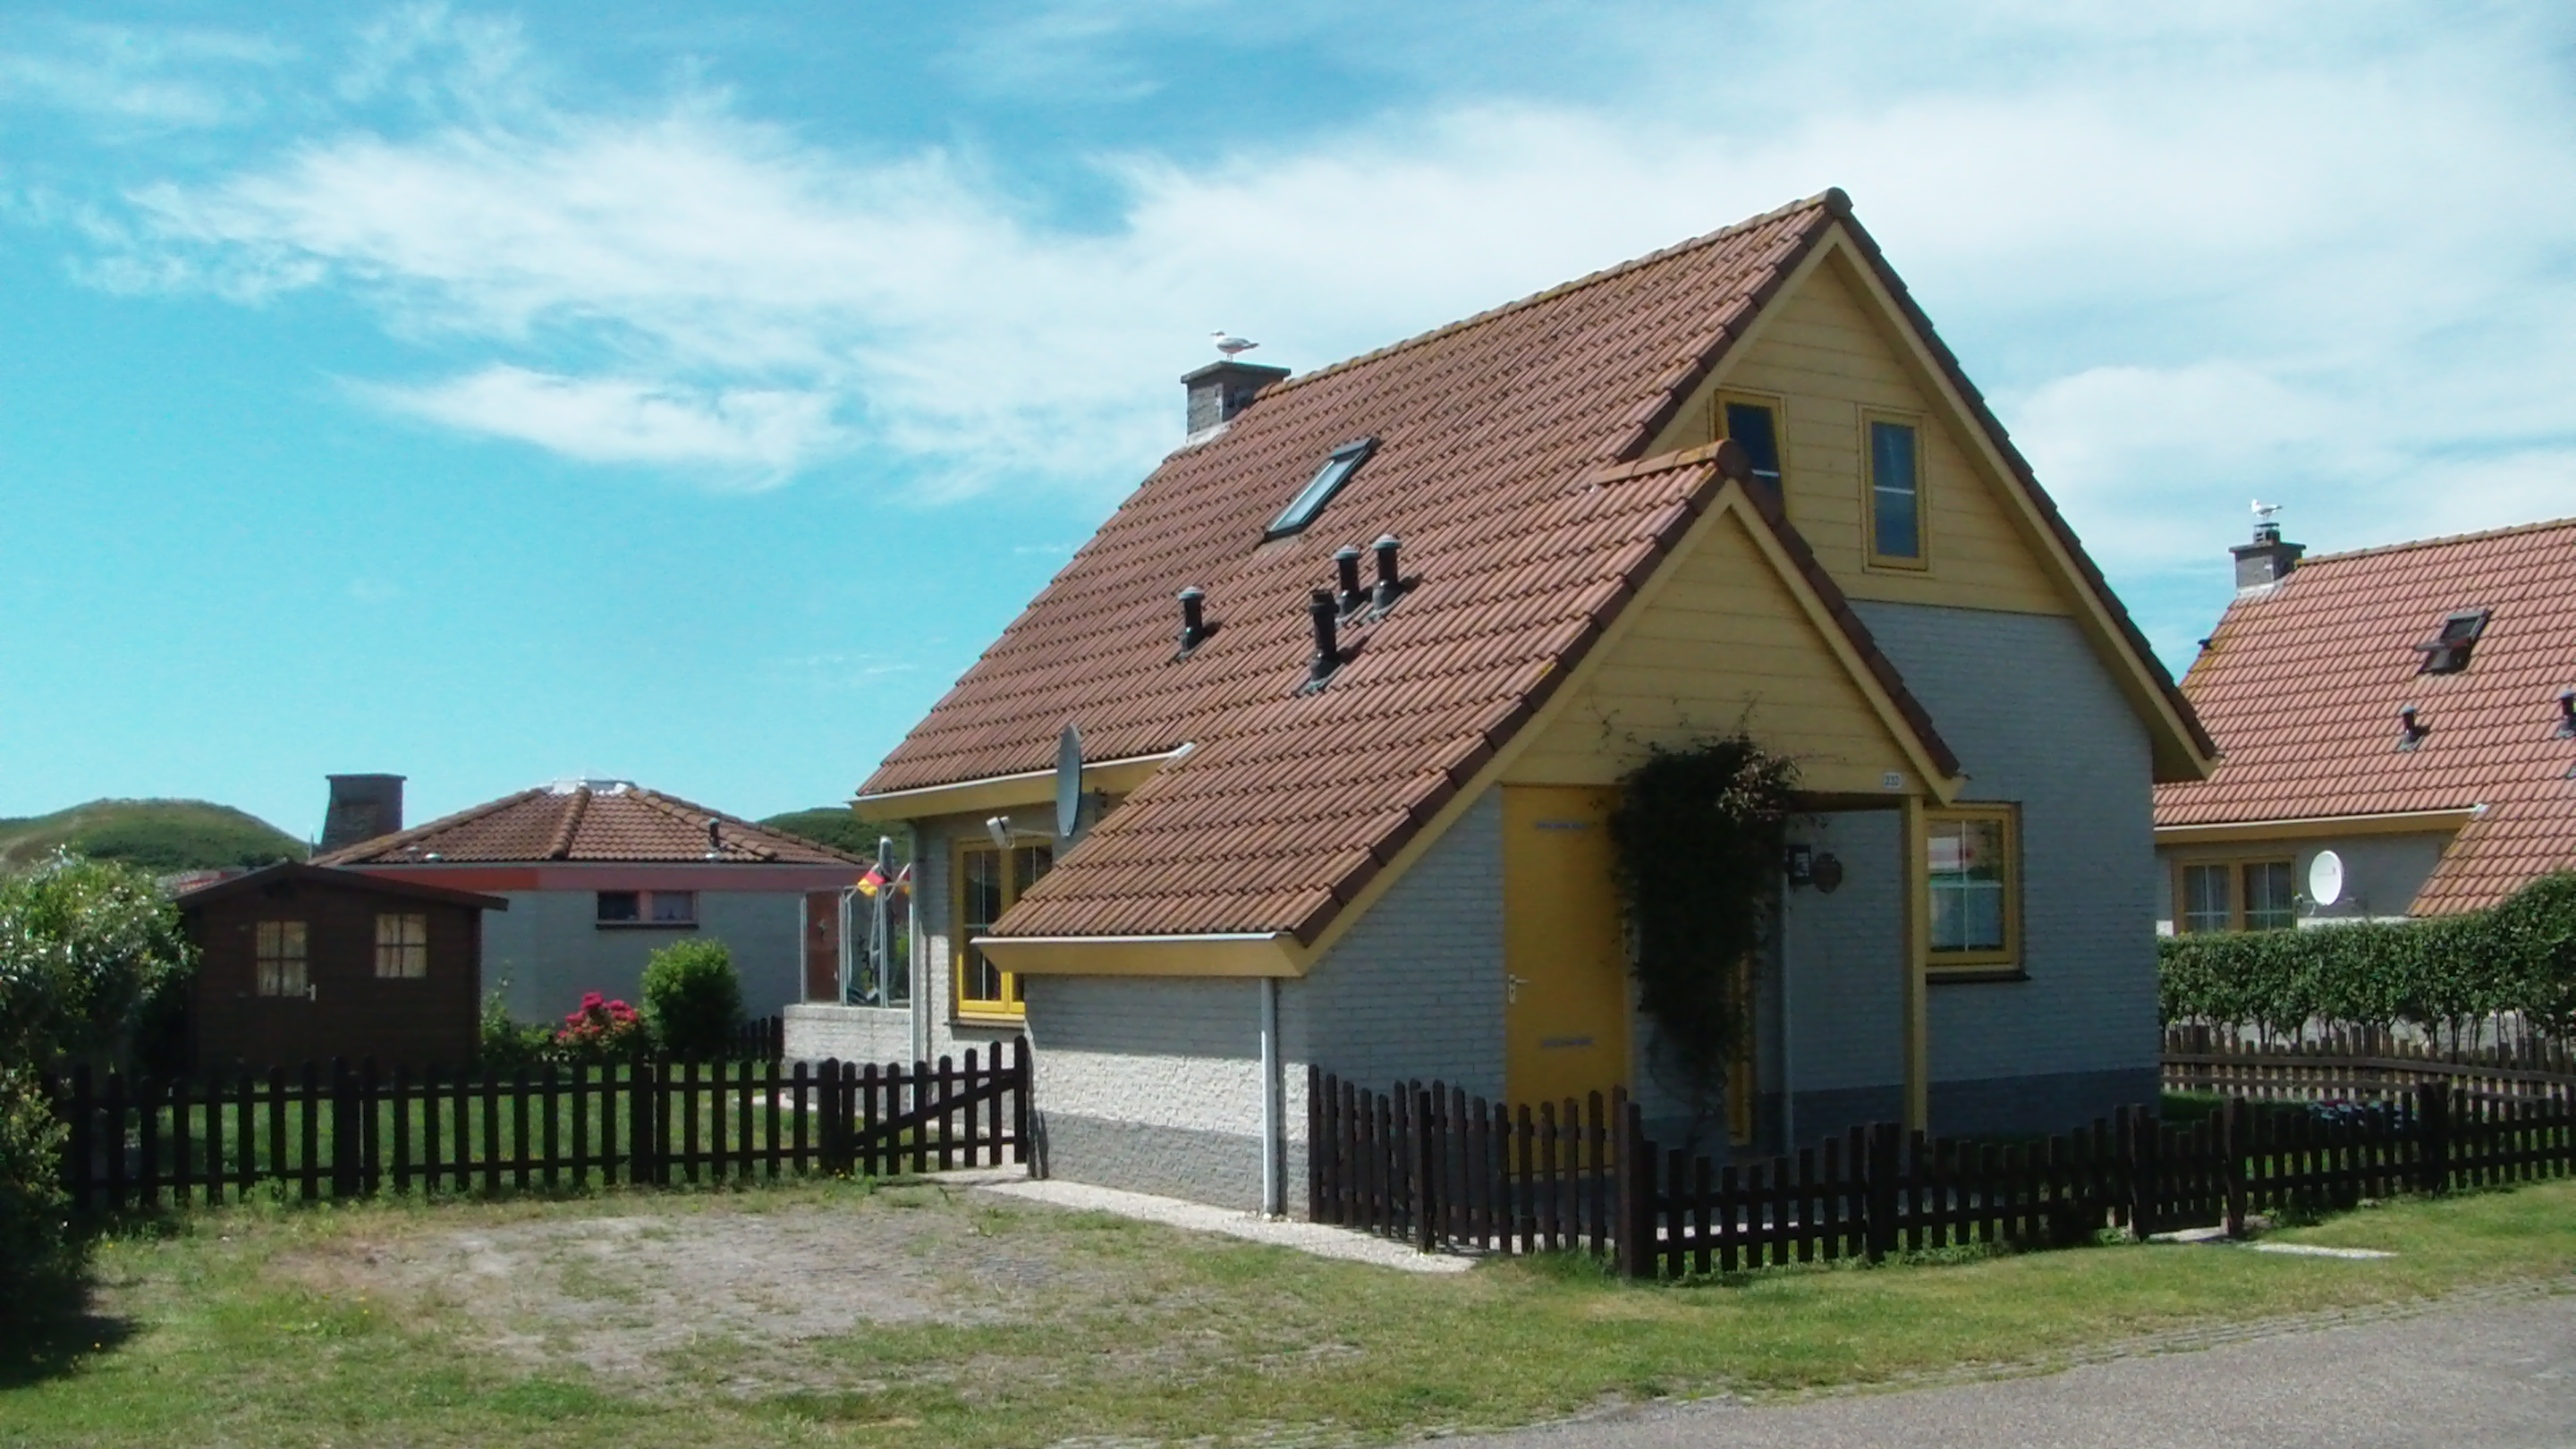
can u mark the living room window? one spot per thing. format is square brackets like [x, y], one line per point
[402, 946]
[278, 948]
[1972, 863]
[669, 910]
[989, 882]
[2236, 895]
[1754, 424]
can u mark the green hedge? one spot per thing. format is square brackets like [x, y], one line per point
[2517, 956]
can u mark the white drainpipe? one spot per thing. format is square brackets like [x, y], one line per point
[1274, 1186]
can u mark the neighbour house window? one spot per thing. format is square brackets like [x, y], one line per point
[989, 882]
[402, 946]
[1754, 423]
[648, 908]
[2237, 895]
[279, 949]
[1973, 865]
[1895, 493]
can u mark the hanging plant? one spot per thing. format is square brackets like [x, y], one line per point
[1698, 833]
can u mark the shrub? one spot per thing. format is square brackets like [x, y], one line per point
[693, 997]
[506, 1045]
[32, 1203]
[600, 1032]
[86, 947]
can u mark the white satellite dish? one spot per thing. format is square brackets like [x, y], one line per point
[2325, 878]
[1068, 784]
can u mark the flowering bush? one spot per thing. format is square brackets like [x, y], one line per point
[601, 1030]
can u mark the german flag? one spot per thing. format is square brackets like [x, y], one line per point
[873, 882]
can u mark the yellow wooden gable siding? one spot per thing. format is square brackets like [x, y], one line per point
[1821, 354]
[1721, 640]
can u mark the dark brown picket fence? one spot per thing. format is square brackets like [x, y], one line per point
[2345, 1064]
[343, 1132]
[1442, 1169]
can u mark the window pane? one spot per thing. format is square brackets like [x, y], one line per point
[675, 905]
[402, 945]
[982, 892]
[1752, 426]
[2270, 904]
[1892, 478]
[621, 906]
[2206, 903]
[1968, 872]
[280, 952]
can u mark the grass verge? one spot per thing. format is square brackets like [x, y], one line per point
[1023, 1326]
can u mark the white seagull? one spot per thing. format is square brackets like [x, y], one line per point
[1232, 346]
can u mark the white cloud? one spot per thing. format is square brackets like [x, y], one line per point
[2195, 255]
[179, 77]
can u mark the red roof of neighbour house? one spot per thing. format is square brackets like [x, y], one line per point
[595, 821]
[1506, 462]
[2302, 684]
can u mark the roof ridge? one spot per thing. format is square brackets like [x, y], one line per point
[1833, 200]
[576, 805]
[2437, 541]
[674, 805]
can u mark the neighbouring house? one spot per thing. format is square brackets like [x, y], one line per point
[1357, 670]
[2400, 733]
[600, 873]
[301, 963]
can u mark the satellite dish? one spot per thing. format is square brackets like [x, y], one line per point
[1068, 784]
[2325, 878]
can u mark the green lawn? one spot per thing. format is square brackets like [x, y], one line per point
[691, 1318]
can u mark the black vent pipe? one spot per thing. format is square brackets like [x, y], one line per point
[1328, 648]
[1389, 582]
[1193, 617]
[1346, 572]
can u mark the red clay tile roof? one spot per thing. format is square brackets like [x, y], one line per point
[614, 823]
[1497, 439]
[2302, 684]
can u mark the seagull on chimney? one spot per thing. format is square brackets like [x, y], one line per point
[1232, 346]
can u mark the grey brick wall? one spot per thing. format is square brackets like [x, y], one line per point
[2036, 719]
[550, 949]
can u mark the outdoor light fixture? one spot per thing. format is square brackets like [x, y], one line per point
[1801, 865]
[999, 827]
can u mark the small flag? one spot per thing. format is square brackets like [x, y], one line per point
[872, 882]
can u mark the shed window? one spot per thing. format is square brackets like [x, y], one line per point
[402, 946]
[1754, 424]
[1973, 867]
[279, 950]
[1328, 480]
[1895, 494]
[989, 883]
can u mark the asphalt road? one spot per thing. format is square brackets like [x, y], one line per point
[2484, 1377]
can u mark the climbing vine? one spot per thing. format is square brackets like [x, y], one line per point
[1698, 833]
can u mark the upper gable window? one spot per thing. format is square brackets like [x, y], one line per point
[1754, 424]
[1328, 481]
[2448, 652]
[1895, 493]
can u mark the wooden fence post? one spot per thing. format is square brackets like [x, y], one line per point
[2137, 1177]
[2232, 1150]
[1635, 1246]
[1879, 1192]
[2433, 1128]
[80, 1155]
[1426, 1174]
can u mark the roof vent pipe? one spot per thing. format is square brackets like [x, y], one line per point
[2567, 714]
[1346, 572]
[1194, 627]
[2411, 730]
[1389, 582]
[1328, 649]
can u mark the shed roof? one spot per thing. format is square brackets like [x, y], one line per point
[348, 880]
[2302, 681]
[591, 821]
[1506, 461]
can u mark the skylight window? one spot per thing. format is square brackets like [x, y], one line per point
[2448, 652]
[1328, 481]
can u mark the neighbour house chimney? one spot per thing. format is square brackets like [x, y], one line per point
[2267, 560]
[362, 808]
[1220, 390]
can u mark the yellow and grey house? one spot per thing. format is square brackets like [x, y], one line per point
[1356, 671]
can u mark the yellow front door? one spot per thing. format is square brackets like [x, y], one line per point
[1565, 990]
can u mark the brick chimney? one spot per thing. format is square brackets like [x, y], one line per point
[362, 808]
[1220, 390]
[2267, 560]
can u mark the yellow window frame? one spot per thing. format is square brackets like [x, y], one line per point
[1007, 1006]
[1921, 559]
[2237, 895]
[1979, 959]
[1777, 407]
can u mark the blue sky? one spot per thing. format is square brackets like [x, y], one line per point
[495, 394]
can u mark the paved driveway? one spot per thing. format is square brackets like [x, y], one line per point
[2473, 1378]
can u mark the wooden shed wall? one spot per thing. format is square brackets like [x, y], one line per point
[353, 1013]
